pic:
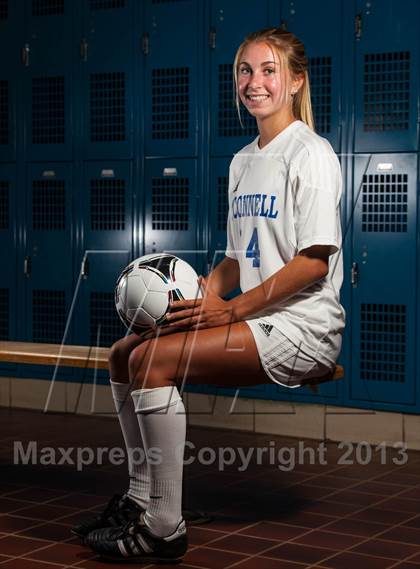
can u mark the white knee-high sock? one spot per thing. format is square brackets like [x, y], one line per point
[161, 417]
[137, 469]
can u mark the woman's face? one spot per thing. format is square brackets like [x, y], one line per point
[260, 83]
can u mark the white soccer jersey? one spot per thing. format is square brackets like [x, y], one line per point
[284, 198]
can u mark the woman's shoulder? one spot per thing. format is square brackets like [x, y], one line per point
[312, 151]
[315, 161]
[310, 142]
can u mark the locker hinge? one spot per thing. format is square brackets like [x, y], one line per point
[25, 55]
[354, 275]
[358, 26]
[283, 25]
[27, 266]
[212, 38]
[145, 44]
[84, 269]
[83, 49]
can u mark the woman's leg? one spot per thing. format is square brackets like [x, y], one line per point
[118, 357]
[136, 498]
[139, 481]
[224, 356]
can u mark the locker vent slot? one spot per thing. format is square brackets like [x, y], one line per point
[49, 316]
[4, 112]
[384, 206]
[4, 9]
[383, 337]
[320, 82]
[48, 110]
[222, 202]
[386, 91]
[4, 205]
[105, 325]
[170, 207]
[4, 314]
[107, 205]
[227, 116]
[106, 4]
[107, 107]
[48, 205]
[47, 7]
[170, 103]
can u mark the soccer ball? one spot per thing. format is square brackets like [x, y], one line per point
[147, 286]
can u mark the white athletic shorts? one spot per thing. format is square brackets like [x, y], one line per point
[283, 361]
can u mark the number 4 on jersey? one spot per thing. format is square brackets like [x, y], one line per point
[253, 251]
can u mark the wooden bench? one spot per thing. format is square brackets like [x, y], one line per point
[88, 357]
[53, 354]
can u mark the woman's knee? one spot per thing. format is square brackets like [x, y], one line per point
[120, 351]
[148, 369]
[137, 357]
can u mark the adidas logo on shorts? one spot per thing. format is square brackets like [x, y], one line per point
[266, 328]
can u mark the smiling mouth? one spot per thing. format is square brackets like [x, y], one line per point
[257, 97]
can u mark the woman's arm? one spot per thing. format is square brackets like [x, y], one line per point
[308, 267]
[224, 277]
[303, 270]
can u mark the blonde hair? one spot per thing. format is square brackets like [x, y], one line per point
[293, 63]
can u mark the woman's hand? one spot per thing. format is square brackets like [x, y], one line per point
[206, 312]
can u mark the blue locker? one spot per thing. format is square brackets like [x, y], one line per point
[8, 236]
[49, 55]
[48, 247]
[106, 206]
[98, 322]
[318, 26]
[218, 208]
[171, 45]
[384, 279]
[48, 266]
[10, 44]
[229, 25]
[172, 209]
[346, 288]
[105, 214]
[11, 32]
[386, 80]
[107, 49]
[7, 115]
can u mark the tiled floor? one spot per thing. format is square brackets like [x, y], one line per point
[324, 514]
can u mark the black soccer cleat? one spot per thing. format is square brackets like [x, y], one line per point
[120, 510]
[134, 543]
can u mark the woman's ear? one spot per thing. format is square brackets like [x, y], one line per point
[297, 83]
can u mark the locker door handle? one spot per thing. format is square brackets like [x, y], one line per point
[145, 44]
[83, 49]
[25, 55]
[27, 266]
[358, 27]
[354, 274]
[212, 38]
